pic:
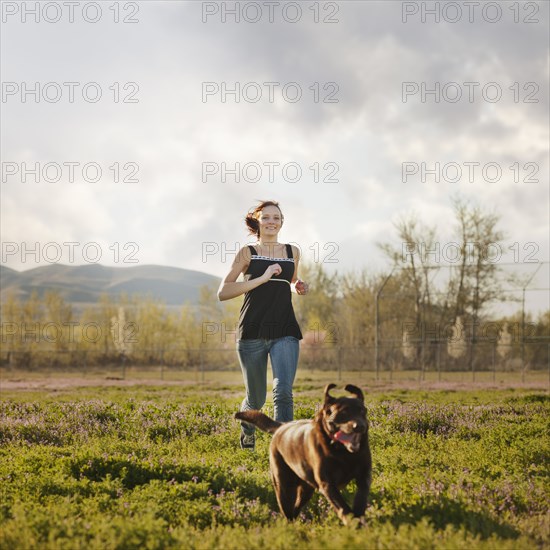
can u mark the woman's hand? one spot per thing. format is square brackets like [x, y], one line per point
[273, 269]
[301, 287]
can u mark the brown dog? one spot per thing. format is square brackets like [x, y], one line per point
[325, 453]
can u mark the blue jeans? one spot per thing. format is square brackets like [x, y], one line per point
[284, 360]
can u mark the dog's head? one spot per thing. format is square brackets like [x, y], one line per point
[344, 419]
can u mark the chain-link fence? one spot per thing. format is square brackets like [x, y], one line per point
[420, 362]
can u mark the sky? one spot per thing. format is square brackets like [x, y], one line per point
[134, 117]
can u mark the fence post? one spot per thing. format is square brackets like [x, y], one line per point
[377, 320]
[422, 356]
[494, 362]
[438, 359]
[523, 364]
[201, 363]
[162, 365]
[123, 366]
[473, 361]
[340, 363]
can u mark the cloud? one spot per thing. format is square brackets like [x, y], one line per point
[367, 134]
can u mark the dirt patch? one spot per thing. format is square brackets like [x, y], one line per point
[309, 386]
[63, 383]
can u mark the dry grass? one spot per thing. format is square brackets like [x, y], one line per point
[51, 380]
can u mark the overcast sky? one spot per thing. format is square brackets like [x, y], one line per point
[349, 60]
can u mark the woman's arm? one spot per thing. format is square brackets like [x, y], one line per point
[297, 285]
[230, 288]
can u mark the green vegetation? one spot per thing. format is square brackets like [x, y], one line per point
[159, 467]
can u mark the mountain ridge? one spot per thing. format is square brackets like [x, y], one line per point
[84, 284]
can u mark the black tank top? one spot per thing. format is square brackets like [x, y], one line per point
[267, 310]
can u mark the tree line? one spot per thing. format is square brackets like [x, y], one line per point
[424, 304]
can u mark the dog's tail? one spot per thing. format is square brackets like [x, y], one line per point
[260, 420]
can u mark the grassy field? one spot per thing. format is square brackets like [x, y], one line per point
[158, 466]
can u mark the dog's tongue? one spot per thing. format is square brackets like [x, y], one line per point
[343, 437]
[351, 441]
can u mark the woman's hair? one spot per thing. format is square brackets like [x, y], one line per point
[251, 218]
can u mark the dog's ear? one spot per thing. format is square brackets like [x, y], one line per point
[354, 390]
[328, 397]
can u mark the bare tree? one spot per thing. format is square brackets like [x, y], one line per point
[476, 281]
[413, 256]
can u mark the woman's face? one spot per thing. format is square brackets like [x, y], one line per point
[270, 220]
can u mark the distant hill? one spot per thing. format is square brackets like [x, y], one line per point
[84, 284]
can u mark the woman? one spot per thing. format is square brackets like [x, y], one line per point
[267, 324]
